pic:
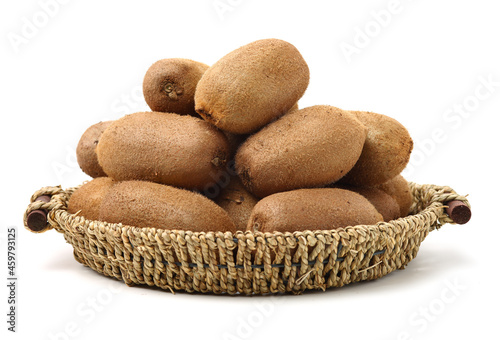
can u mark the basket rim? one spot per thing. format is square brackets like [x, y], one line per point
[436, 208]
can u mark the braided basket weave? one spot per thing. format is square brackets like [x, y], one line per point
[247, 262]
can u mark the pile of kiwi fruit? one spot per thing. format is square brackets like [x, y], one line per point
[226, 148]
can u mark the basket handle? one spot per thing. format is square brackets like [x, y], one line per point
[458, 211]
[43, 202]
[457, 208]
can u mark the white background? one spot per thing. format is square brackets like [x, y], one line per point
[83, 61]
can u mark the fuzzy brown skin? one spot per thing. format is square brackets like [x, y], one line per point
[169, 85]
[306, 148]
[386, 151]
[385, 204]
[252, 85]
[85, 150]
[294, 107]
[146, 204]
[166, 148]
[312, 209]
[87, 199]
[237, 202]
[398, 188]
[234, 141]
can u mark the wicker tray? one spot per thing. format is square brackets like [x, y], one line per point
[246, 262]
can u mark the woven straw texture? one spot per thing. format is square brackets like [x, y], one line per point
[246, 262]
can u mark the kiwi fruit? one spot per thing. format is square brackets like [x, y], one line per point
[85, 150]
[169, 85]
[310, 147]
[167, 148]
[385, 204]
[86, 200]
[146, 204]
[237, 202]
[398, 188]
[386, 151]
[252, 85]
[312, 209]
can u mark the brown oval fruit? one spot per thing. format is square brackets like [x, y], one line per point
[311, 147]
[166, 148]
[146, 204]
[252, 85]
[312, 209]
[398, 188]
[85, 150]
[169, 85]
[237, 202]
[86, 200]
[386, 151]
[385, 204]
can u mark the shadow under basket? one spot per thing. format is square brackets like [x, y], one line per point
[247, 262]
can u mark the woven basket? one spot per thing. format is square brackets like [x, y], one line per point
[247, 262]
